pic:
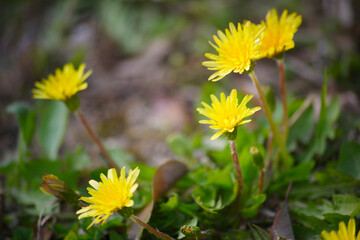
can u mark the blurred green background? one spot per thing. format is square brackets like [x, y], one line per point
[146, 57]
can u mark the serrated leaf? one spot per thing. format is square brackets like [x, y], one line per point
[346, 205]
[349, 161]
[259, 233]
[299, 173]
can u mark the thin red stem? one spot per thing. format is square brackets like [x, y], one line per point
[96, 140]
[277, 136]
[237, 166]
[151, 229]
[261, 181]
[283, 94]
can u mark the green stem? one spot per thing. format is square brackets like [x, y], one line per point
[150, 228]
[283, 94]
[96, 140]
[269, 147]
[237, 166]
[285, 155]
[21, 147]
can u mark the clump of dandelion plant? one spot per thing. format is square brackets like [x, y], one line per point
[226, 115]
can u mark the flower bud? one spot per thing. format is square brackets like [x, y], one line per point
[191, 231]
[257, 158]
[52, 185]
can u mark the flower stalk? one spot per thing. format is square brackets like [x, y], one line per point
[277, 136]
[96, 140]
[280, 63]
[150, 228]
[235, 156]
[261, 181]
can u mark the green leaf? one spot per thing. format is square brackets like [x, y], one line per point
[33, 171]
[301, 130]
[53, 123]
[321, 126]
[221, 157]
[180, 145]
[77, 161]
[206, 199]
[349, 159]
[249, 171]
[71, 236]
[259, 233]
[216, 188]
[35, 201]
[335, 218]
[309, 221]
[346, 205]
[23, 233]
[255, 203]
[116, 221]
[26, 117]
[92, 233]
[116, 236]
[171, 204]
[121, 158]
[299, 173]
[328, 116]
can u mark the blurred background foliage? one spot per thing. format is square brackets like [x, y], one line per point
[147, 82]
[146, 57]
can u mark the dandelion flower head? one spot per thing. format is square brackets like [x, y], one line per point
[344, 232]
[236, 48]
[279, 32]
[63, 85]
[227, 114]
[110, 195]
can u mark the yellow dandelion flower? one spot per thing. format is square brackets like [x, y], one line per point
[110, 195]
[344, 232]
[279, 33]
[226, 114]
[236, 48]
[63, 85]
